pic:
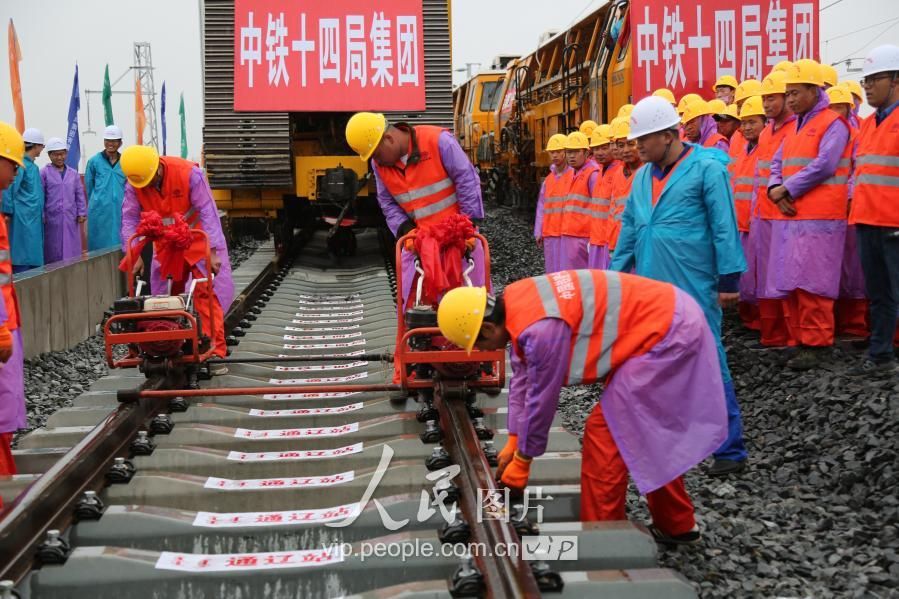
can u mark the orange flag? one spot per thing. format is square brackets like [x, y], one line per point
[15, 82]
[140, 119]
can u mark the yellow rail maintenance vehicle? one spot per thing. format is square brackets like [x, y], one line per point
[581, 73]
[293, 170]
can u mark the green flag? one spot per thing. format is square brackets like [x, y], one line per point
[183, 128]
[107, 99]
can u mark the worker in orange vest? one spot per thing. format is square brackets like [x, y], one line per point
[809, 185]
[175, 189]
[772, 316]
[621, 179]
[851, 306]
[745, 184]
[550, 201]
[580, 207]
[422, 175]
[875, 205]
[662, 410]
[12, 369]
[744, 91]
[598, 248]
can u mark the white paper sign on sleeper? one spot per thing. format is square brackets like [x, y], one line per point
[320, 380]
[332, 321]
[329, 314]
[288, 433]
[354, 343]
[323, 337]
[288, 396]
[266, 519]
[306, 411]
[241, 562]
[255, 484]
[304, 454]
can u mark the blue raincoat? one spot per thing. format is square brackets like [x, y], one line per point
[24, 203]
[689, 238]
[105, 185]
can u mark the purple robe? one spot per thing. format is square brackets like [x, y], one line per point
[598, 257]
[12, 383]
[201, 200]
[852, 277]
[708, 128]
[64, 202]
[747, 279]
[468, 194]
[802, 253]
[665, 408]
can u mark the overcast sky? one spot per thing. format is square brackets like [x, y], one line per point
[55, 33]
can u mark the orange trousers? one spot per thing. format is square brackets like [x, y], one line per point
[773, 323]
[201, 304]
[851, 317]
[749, 314]
[604, 479]
[7, 464]
[810, 319]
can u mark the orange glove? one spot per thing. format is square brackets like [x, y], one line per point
[505, 455]
[409, 245]
[470, 243]
[516, 475]
[5, 344]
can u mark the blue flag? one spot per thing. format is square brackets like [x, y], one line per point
[162, 109]
[72, 140]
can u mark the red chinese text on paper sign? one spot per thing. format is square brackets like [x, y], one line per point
[341, 55]
[686, 46]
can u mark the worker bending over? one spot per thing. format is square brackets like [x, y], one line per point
[662, 411]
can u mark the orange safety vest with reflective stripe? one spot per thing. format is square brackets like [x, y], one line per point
[602, 200]
[6, 283]
[875, 197]
[423, 190]
[579, 210]
[737, 145]
[743, 182]
[828, 200]
[612, 316]
[175, 194]
[555, 192]
[769, 142]
[621, 189]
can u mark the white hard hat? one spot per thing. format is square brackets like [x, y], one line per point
[54, 144]
[650, 115]
[33, 136]
[112, 132]
[881, 59]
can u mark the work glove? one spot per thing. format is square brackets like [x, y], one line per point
[404, 228]
[504, 457]
[409, 245]
[470, 243]
[516, 474]
[5, 344]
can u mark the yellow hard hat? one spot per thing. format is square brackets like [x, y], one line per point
[12, 146]
[730, 111]
[682, 105]
[695, 109]
[805, 71]
[750, 87]
[460, 315]
[829, 74]
[716, 106]
[752, 107]
[556, 142]
[620, 129]
[840, 95]
[587, 127]
[783, 65]
[139, 163]
[625, 111]
[774, 84]
[577, 141]
[854, 87]
[728, 80]
[665, 93]
[601, 136]
[364, 131]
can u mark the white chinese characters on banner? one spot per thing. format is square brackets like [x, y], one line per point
[686, 46]
[250, 46]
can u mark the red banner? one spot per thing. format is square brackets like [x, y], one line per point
[686, 46]
[339, 55]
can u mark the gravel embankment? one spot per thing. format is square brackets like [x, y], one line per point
[816, 514]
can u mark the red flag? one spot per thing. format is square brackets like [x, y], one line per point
[140, 119]
[15, 82]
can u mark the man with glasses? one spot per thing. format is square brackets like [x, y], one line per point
[809, 184]
[875, 205]
[679, 226]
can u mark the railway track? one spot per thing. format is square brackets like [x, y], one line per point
[298, 492]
